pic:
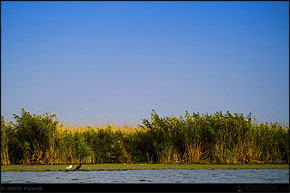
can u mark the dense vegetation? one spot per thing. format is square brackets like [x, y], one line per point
[196, 138]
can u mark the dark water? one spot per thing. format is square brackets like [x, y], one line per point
[151, 176]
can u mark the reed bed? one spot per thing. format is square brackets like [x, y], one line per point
[195, 138]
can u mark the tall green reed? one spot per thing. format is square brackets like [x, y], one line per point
[194, 138]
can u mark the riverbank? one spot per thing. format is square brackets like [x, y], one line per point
[115, 167]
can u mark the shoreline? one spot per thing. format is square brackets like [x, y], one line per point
[120, 167]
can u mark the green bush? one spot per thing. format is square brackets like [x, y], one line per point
[4, 141]
[31, 137]
[196, 138]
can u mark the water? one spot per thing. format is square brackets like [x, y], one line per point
[151, 176]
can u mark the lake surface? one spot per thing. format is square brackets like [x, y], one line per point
[151, 176]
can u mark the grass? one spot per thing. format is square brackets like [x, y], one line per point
[115, 167]
[190, 139]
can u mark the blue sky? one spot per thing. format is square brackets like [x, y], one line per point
[113, 62]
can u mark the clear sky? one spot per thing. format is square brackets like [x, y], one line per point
[113, 62]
